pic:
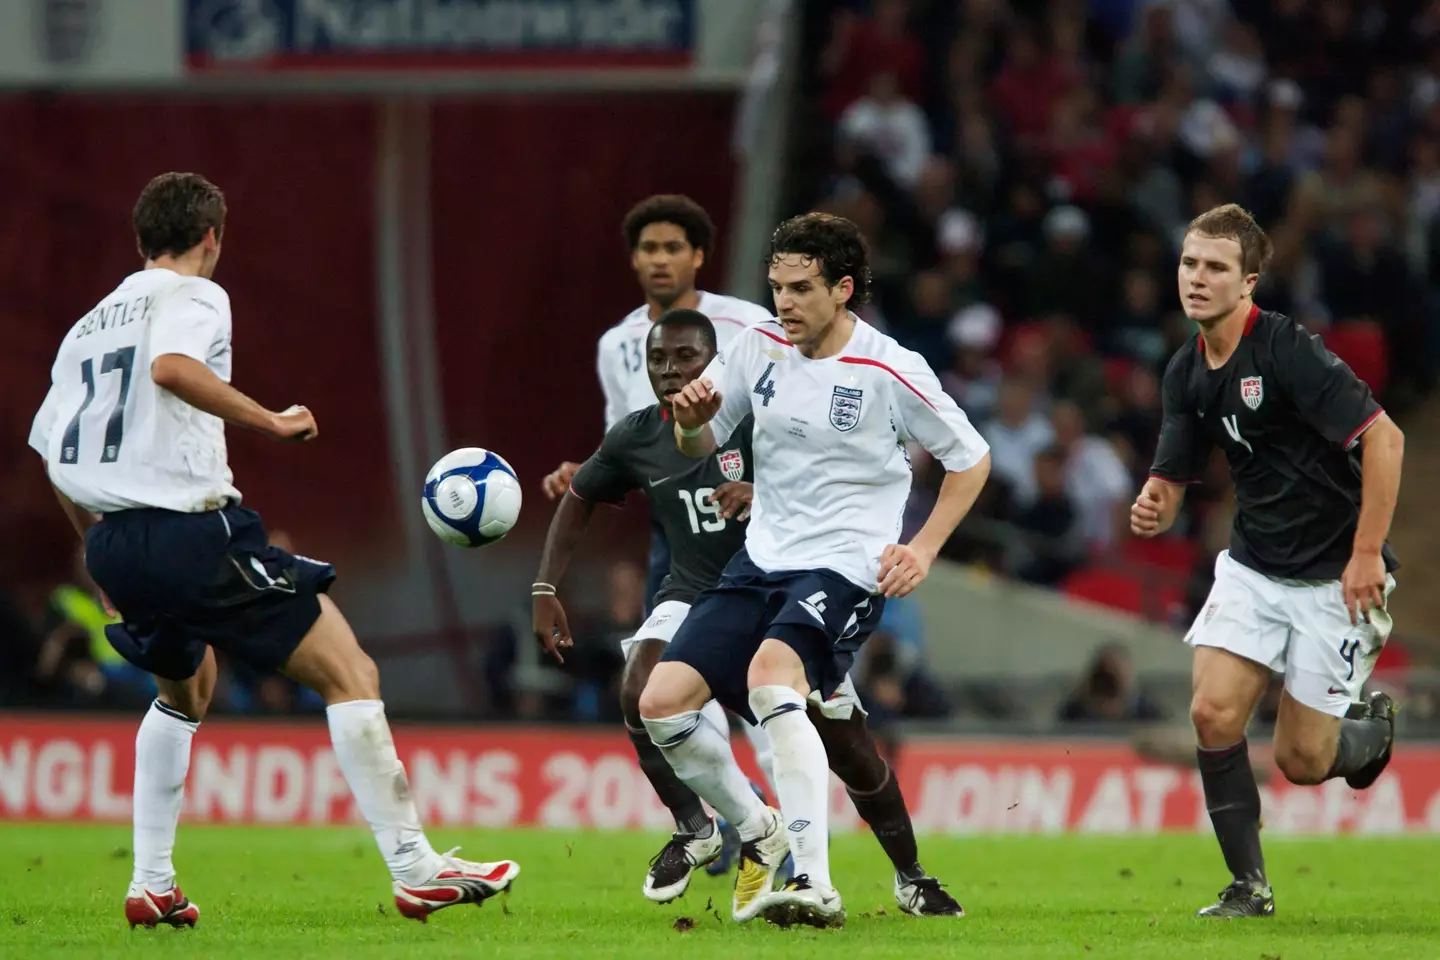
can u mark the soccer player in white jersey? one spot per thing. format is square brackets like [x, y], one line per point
[133, 436]
[834, 401]
[668, 236]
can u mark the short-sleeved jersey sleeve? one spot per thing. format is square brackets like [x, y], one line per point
[1325, 391]
[928, 415]
[729, 372]
[605, 477]
[1180, 453]
[193, 322]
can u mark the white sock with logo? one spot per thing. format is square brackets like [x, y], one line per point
[802, 778]
[701, 756]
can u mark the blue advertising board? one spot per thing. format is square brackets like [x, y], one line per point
[328, 35]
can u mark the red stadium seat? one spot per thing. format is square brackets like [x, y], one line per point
[1362, 346]
[1117, 374]
[1110, 588]
[1173, 554]
[1142, 595]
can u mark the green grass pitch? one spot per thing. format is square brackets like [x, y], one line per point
[287, 893]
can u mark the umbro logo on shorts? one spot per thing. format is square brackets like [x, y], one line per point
[797, 825]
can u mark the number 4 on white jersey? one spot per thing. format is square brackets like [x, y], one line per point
[815, 605]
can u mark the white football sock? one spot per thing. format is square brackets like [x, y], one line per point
[701, 756]
[802, 778]
[366, 752]
[716, 714]
[764, 752]
[162, 759]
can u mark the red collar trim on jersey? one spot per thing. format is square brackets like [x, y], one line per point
[664, 413]
[780, 340]
[1249, 325]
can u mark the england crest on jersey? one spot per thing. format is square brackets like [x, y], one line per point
[845, 408]
[732, 465]
[1252, 391]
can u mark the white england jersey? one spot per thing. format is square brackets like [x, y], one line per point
[112, 439]
[832, 474]
[621, 357]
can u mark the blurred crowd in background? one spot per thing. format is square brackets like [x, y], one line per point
[1025, 171]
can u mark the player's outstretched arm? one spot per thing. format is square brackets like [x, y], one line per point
[197, 385]
[567, 528]
[1382, 453]
[903, 568]
[694, 407]
[557, 481]
[80, 518]
[1155, 509]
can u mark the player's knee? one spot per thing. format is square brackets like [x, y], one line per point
[192, 701]
[672, 688]
[191, 697]
[1302, 762]
[356, 677]
[1217, 723]
[657, 701]
[776, 665]
[638, 668]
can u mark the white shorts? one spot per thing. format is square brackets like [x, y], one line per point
[1298, 628]
[662, 623]
[665, 620]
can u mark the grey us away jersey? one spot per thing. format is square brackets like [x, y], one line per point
[640, 453]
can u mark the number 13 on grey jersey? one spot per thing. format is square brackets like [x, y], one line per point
[113, 440]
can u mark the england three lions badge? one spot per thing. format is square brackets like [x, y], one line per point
[845, 408]
[1252, 391]
[732, 465]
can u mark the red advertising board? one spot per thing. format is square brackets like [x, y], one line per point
[80, 769]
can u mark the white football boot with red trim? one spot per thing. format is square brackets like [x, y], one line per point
[457, 881]
[146, 908]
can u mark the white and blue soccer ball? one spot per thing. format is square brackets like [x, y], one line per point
[472, 497]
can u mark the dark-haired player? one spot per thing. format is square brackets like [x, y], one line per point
[1302, 589]
[133, 436]
[702, 505]
[834, 402]
[669, 237]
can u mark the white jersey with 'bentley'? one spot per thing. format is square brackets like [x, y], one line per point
[111, 438]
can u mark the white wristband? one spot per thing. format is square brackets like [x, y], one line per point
[542, 590]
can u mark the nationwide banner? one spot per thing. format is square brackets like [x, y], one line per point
[383, 35]
[285, 773]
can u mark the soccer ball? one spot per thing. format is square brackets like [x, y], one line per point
[472, 497]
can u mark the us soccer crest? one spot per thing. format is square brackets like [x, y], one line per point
[1252, 391]
[845, 408]
[732, 465]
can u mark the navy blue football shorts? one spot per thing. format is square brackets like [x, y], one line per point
[185, 581]
[819, 614]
